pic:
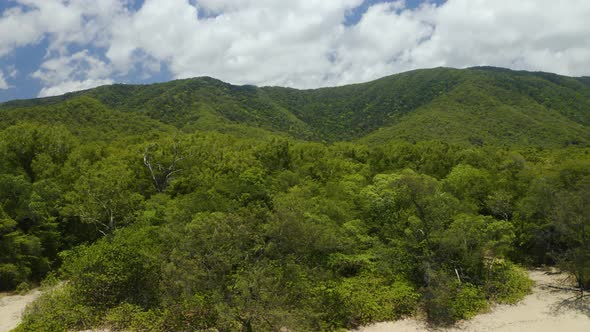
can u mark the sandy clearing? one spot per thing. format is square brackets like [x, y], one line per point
[12, 307]
[546, 310]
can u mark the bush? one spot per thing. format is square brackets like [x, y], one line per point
[366, 299]
[447, 301]
[109, 273]
[507, 283]
[23, 288]
[194, 313]
[121, 317]
[151, 320]
[58, 310]
[113, 280]
[468, 301]
[10, 277]
[50, 281]
[130, 317]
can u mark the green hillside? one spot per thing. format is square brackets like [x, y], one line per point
[492, 107]
[197, 205]
[87, 118]
[482, 105]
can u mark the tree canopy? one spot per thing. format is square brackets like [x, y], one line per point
[196, 204]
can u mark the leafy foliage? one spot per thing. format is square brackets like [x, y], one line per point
[475, 106]
[193, 205]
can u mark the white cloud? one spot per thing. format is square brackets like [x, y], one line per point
[73, 72]
[3, 84]
[69, 86]
[382, 42]
[9, 72]
[17, 29]
[262, 42]
[63, 22]
[305, 43]
[529, 34]
[300, 43]
[12, 71]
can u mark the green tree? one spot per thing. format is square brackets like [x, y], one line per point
[104, 196]
[468, 184]
[573, 222]
[36, 149]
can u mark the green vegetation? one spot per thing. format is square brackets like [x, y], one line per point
[482, 105]
[195, 204]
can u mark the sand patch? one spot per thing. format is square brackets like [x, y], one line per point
[12, 307]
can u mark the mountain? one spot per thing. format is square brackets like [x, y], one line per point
[201, 205]
[480, 105]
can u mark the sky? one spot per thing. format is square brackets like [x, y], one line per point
[50, 47]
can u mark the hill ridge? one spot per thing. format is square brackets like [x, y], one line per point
[412, 105]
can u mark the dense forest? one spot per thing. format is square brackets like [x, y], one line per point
[198, 205]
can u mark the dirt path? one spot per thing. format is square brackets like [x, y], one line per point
[546, 309]
[12, 307]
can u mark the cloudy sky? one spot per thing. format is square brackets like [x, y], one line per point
[50, 47]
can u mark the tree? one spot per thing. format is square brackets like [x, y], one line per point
[34, 148]
[104, 196]
[471, 240]
[408, 211]
[162, 163]
[573, 222]
[468, 184]
[120, 269]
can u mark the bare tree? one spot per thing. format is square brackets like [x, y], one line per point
[160, 173]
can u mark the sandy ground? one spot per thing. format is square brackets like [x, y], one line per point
[11, 309]
[547, 309]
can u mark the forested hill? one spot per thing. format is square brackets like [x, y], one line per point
[197, 205]
[482, 105]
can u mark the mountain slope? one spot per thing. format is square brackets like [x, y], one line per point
[355, 110]
[499, 110]
[478, 105]
[86, 118]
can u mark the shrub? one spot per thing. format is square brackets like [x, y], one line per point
[10, 277]
[50, 281]
[121, 317]
[130, 317]
[58, 310]
[447, 300]
[507, 283]
[23, 288]
[151, 320]
[194, 313]
[366, 299]
[109, 273]
[468, 301]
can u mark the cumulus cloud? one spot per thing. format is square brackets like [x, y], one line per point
[3, 84]
[78, 71]
[261, 42]
[534, 35]
[62, 22]
[299, 43]
[12, 72]
[69, 86]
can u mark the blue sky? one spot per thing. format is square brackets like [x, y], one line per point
[50, 47]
